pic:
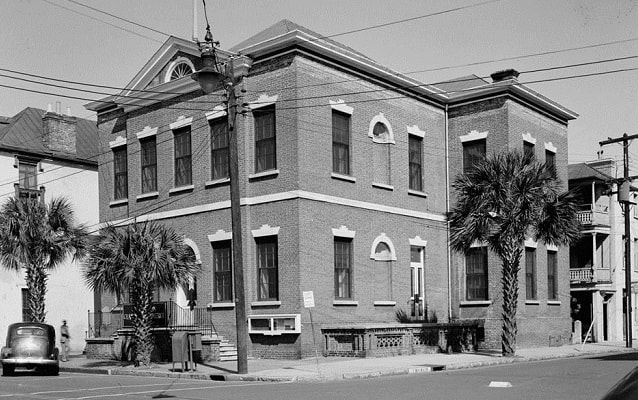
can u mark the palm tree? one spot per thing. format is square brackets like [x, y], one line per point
[36, 237]
[504, 199]
[139, 258]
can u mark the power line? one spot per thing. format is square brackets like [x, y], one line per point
[99, 20]
[401, 21]
[118, 17]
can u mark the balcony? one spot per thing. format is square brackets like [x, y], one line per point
[593, 215]
[589, 275]
[581, 275]
[24, 193]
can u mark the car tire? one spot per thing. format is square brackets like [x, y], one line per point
[54, 371]
[8, 369]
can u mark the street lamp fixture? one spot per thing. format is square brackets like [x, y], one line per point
[209, 78]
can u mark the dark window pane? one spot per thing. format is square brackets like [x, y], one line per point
[416, 163]
[28, 175]
[473, 153]
[183, 167]
[222, 266]
[340, 143]
[219, 148]
[528, 148]
[343, 268]
[149, 165]
[265, 139]
[120, 173]
[267, 269]
[530, 274]
[552, 283]
[476, 274]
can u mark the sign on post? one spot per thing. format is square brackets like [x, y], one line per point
[308, 299]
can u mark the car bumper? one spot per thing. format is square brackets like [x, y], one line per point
[28, 361]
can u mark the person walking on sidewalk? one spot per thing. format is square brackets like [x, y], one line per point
[64, 340]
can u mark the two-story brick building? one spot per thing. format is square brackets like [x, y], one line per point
[490, 117]
[343, 180]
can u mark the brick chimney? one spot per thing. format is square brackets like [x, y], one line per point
[504, 75]
[59, 131]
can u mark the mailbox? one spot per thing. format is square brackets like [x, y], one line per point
[180, 347]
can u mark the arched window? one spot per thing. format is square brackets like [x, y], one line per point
[382, 136]
[179, 68]
[384, 256]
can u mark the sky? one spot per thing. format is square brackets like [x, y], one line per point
[71, 40]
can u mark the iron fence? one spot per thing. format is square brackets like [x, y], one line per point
[167, 314]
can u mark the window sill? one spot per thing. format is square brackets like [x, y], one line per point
[417, 193]
[217, 182]
[553, 302]
[532, 302]
[118, 202]
[181, 189]
[341, 177]
[385, 303]
[265, 303]
[147, 196]
[264, 174]
[220, 305]
[345, 303]
[382, 186]
[477, 303]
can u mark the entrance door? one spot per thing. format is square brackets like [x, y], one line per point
[417, 299]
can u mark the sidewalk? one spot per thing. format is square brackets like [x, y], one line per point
[336, 368]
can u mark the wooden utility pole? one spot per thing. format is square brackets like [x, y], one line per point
[623, 198]
[235, 212]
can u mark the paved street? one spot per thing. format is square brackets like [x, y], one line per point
[573, 378]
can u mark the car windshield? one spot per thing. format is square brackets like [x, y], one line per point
[30, 331]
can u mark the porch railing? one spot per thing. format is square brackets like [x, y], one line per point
[168, 315]
[581, 275]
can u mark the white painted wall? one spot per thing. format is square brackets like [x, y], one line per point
[67, 296]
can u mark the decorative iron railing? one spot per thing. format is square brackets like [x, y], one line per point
[166, 314]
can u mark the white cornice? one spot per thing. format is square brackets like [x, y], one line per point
[283, 196]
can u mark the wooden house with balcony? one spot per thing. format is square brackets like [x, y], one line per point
[597, 260]
[46, 154]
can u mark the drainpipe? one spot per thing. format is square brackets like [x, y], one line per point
[447, 220]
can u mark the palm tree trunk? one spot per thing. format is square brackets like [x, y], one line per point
[143, 328]
[510, 256]
[36, 279]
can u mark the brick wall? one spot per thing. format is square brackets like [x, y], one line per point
[506, 121]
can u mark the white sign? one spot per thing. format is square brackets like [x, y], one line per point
[308, 299]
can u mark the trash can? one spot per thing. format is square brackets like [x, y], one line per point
[180, 352]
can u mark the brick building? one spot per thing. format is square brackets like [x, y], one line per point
[343, 181]
[489, 117]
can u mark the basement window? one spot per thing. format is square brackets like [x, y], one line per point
[274, 324]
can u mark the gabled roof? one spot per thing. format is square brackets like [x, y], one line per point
[583, 171]
[25, 130]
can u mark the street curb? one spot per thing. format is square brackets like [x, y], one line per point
[345, 376]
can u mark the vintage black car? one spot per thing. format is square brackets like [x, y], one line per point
[30, 345]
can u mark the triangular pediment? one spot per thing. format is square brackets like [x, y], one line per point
[154, 72]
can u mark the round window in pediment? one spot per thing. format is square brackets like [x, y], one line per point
[178, 69]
